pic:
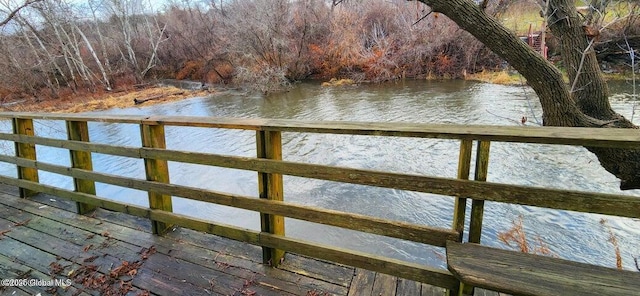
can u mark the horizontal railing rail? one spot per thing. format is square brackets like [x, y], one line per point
[270, 167]
[580, 201]
[596, 137]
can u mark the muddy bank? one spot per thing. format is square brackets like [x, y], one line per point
[122, 98]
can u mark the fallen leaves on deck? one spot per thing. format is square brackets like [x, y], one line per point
[3, 232]
[115, 281]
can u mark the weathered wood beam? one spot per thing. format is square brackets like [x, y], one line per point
[157, 170]
[477, 205]
[592, 137]
[26, 151]
[589, 202]
[79, 131]
[270, 187]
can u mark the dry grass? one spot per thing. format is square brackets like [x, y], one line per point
[338, 82]
[520, 15]
[116, 99]
[614, 242]
[517, 238]
[497, 77]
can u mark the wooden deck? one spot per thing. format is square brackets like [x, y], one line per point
[109, 253]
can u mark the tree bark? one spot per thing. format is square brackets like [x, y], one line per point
[546, 80]
[586, 104]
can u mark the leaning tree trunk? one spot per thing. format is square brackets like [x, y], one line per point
[589, 88]
[587, 85]
[583, 103]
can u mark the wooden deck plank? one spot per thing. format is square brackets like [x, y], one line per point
[326, 271]
[69, 250]
[186, 262]
[13, 291]
[256, 272]
[429, 290]
[35, 263]
[197, 275]
[164, 285]
[72, 257]
[315, 275]
[484, 292]
[230, 265]
[527, 274]
[384, 285]
[10, 269]
[362, 283]
[9, 190]
[407, 288]
[95, 243]
[265, 279]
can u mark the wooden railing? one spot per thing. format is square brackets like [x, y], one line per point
[270, 168]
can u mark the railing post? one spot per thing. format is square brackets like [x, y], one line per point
[477, 206]
[460, 206]
[269, 145]
[156, 170]
[79, 131]
[23, 126]
[464, 166]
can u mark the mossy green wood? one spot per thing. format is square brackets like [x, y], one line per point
[27, 151]
[460, 205]
[157, 170]
[269, 146]
[477, 205]
[464, 166]
[79, 131]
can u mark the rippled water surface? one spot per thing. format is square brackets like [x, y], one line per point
[577, 236]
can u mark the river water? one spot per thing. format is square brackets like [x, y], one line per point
[576, 236]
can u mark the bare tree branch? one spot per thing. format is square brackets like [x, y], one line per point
[13, 13]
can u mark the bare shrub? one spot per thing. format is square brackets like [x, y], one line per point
[265, 79]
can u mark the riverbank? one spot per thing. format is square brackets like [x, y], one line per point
[122, 98]
[506, 77]
[160, 94]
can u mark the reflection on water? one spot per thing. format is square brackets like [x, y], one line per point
[569, 235]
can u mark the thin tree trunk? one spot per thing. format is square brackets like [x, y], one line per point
[52, 59]
[591, 93]
[40, 64]
[105, 55]
[105, 78]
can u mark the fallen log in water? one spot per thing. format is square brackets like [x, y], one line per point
[156, 97]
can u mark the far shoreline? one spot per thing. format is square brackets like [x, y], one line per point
[121, 98]
[154, 94]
